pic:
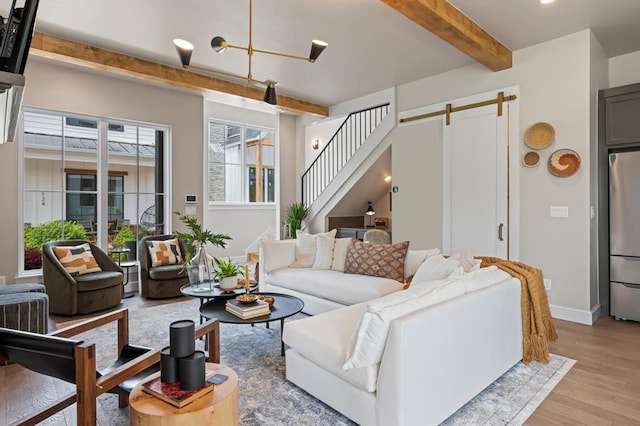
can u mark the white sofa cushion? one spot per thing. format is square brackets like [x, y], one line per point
[340, 253]
[346, 289]
[467, 261]
[415, 258]
[276, 254]
[306, 248]
[436, 268]
[368, 341]
[484, 277]
[324, 339]
[324, 251]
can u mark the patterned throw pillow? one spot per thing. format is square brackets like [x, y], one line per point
[378, 260]
[77, 259]
[165, 252]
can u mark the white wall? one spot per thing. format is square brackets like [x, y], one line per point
[243, 224]
[624, 69]
[49, 85]
[288, 152]
[555, 87]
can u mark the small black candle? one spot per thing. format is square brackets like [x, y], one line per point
[191, 371]
[168, 366]
[182, 338]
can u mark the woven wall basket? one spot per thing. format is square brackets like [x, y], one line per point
[539, 136]
[563, 163]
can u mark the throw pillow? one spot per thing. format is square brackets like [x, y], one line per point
[435, 268]
[467, 261]
[378, 260]
[276, 254]
[306, 247]
[340, 253]
[415, 259]
[165, 252]
[324, 252]
[77, 259]
[370, 335]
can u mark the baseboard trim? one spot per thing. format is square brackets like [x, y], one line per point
[575, 315]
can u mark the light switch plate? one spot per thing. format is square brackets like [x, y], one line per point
[559, 211]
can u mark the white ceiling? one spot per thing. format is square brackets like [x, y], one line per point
[371, 46]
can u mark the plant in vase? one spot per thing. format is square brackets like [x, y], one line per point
[227, 273]
[296, 213]
[196, 260]
[126, 239]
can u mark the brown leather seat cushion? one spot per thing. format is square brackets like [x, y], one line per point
[98, 280]
[167, 272]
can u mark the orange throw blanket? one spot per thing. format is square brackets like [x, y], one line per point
[538, 329]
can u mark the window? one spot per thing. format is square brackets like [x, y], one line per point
[82, 201]
[86, 177]
[241, 164]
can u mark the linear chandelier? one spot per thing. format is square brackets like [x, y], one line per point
[219, 45]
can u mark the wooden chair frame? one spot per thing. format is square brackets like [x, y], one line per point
[89, 386]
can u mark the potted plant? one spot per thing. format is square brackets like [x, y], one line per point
[36, 236]
[296, 213]
[227, 273]
[126, 239]
[196, 260]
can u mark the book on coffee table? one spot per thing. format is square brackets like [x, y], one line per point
[172, 394]
[247, 310]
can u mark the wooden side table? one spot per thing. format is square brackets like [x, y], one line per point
[219, 407]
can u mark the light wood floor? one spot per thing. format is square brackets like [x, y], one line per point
[602, 388]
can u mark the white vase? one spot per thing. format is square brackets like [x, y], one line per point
[228, 283]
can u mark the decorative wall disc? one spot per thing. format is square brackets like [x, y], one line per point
[564, 162]
[531, 159]
[539, 136]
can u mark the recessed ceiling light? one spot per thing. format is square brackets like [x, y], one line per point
[546, 1]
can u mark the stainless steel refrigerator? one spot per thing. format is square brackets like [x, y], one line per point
[624, 235]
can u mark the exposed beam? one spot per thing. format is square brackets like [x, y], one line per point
[48, 46]
[454, 27]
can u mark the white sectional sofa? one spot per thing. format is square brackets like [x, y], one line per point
[382, 355]
[432, 359]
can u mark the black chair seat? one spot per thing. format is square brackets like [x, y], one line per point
[130, 352]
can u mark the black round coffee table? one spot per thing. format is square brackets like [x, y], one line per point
[284, 306]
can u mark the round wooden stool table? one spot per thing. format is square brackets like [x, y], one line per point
[219, 407]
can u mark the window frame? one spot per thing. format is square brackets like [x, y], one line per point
[244, 167]
[104, 124]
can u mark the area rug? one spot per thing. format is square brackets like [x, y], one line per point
[265, 396]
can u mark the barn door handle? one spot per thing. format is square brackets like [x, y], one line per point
[500, 232]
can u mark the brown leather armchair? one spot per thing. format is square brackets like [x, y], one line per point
[159, 282]
[71, 294]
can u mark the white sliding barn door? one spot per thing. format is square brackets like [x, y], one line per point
[475, 182]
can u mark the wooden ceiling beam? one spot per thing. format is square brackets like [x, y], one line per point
[454, 27]
[48, 46]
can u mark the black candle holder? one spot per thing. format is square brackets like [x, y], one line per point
[182, 338]
[168, 366]
[191, 371]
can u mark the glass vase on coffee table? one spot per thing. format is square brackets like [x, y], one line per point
[199, 270]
